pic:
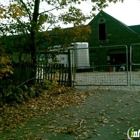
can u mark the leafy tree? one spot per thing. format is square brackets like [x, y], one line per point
[36, 28]
[5, 67]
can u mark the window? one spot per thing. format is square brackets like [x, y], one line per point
[102, 32]
[102, 29]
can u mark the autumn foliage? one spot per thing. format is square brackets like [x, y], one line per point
[16, 115]
[5, 67]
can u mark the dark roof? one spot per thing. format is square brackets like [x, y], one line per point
[135, 28]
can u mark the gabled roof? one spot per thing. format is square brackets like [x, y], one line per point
[133, 30]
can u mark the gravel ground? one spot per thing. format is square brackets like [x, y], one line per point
[107, 79]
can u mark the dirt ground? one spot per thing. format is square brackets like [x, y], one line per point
[104, 115]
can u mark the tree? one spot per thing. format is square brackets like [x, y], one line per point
[36, 28]
[5, 64]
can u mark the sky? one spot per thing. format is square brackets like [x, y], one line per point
[127, 12]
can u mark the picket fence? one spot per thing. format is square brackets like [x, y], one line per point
[22, 73]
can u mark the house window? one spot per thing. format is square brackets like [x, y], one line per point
[102, 29]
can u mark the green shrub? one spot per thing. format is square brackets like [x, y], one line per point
[47, 84]
[32, 92]
[12, 94]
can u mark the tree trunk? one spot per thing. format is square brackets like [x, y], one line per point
[33, 41]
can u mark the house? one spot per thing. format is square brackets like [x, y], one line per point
[108, 31]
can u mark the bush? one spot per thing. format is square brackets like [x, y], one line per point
[12, 94]
[5, 64]
[20, 93]
[47, 84]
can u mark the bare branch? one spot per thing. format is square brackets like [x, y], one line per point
[30, 17]
[49, 10]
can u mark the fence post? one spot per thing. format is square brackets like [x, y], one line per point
[70, 68]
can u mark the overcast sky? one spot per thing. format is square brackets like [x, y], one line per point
[128, 12]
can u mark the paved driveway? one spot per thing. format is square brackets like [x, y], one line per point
[104, 115]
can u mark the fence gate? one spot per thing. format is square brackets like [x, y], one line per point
[101, 66]
[135, 64]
